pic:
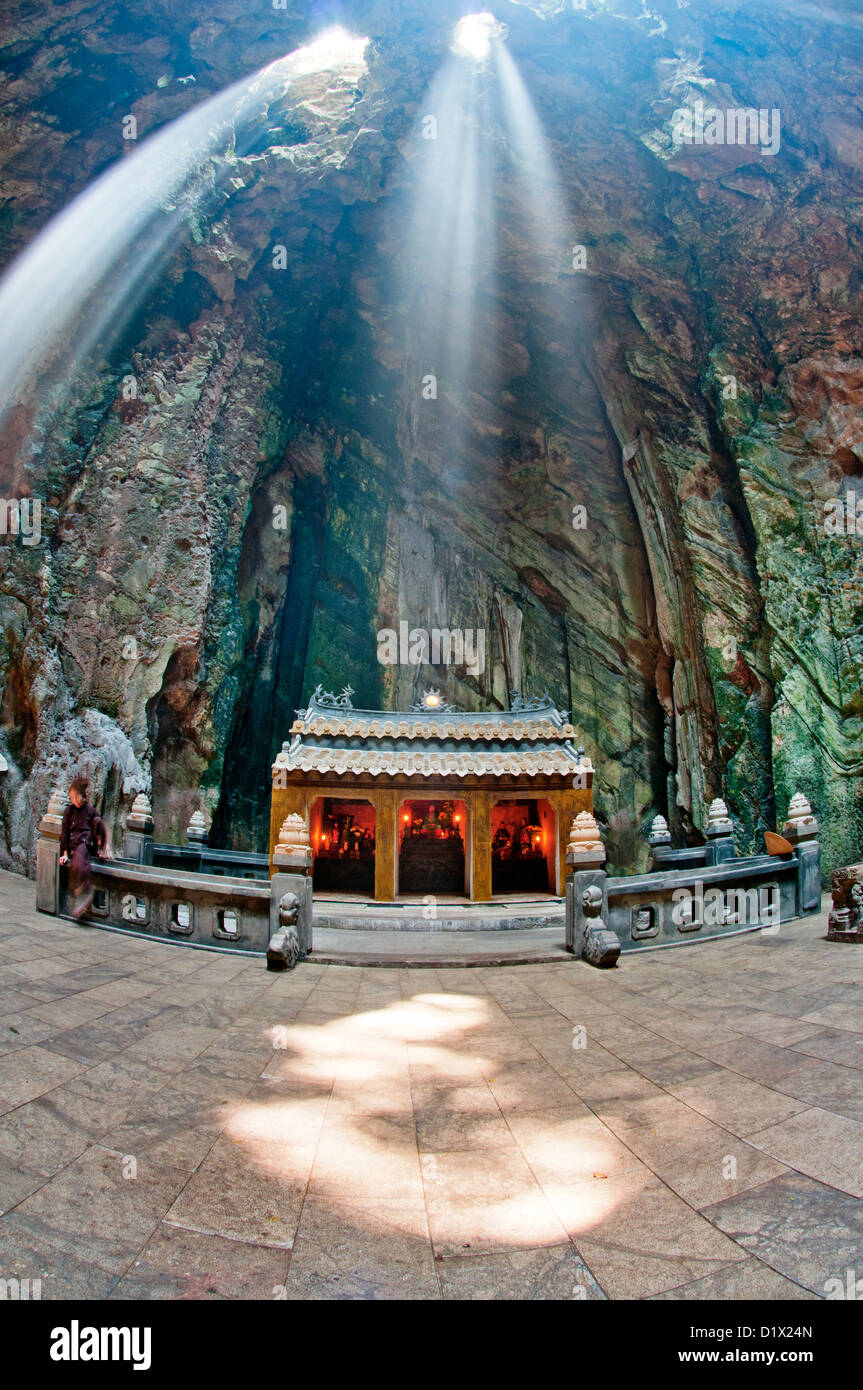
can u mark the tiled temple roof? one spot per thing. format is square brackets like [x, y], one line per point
[330, 736]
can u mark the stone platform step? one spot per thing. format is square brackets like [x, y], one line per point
[535, 946]
[528, 914]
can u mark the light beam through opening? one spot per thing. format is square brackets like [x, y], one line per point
[474, 34]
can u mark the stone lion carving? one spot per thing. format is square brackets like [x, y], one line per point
[591, 901]
[283, 951]
[601, 946]
[845, 922]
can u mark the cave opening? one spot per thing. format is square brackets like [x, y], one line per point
[273, 672]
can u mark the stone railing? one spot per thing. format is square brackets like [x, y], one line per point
[195, 856]
[679, 901]
[719, 846]
[202, 908]
[204, 860]
[218, 910]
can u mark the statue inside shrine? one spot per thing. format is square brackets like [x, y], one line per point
[345, 848]
[440, 822]
[431, 850]
[518, 848]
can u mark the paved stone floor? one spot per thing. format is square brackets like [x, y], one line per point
[337, 946]
[181, 1124]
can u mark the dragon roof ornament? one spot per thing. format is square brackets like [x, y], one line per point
[325, 699]
[521, 704]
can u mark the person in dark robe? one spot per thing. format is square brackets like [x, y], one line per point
[83, 833]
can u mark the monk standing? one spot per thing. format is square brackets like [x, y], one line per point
[83, 832]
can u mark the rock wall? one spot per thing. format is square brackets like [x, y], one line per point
[280, 488]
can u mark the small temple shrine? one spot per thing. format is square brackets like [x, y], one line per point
[433, 801]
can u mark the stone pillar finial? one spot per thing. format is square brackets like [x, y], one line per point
[140, 816]
[718, 819]
[293, 851]
[801, 823]
[138, 833]
[51, 823]
[659, 832]
[585, 849]
[196, 830]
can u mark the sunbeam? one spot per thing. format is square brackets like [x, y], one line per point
[71, 292]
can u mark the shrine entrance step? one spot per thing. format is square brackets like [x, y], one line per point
[431, 915]
[543, 946]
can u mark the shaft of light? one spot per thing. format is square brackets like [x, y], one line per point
[542, 201]
[80, 279]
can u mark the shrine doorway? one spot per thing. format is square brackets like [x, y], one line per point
[523, 847]
[342, 834]
[431, 848]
